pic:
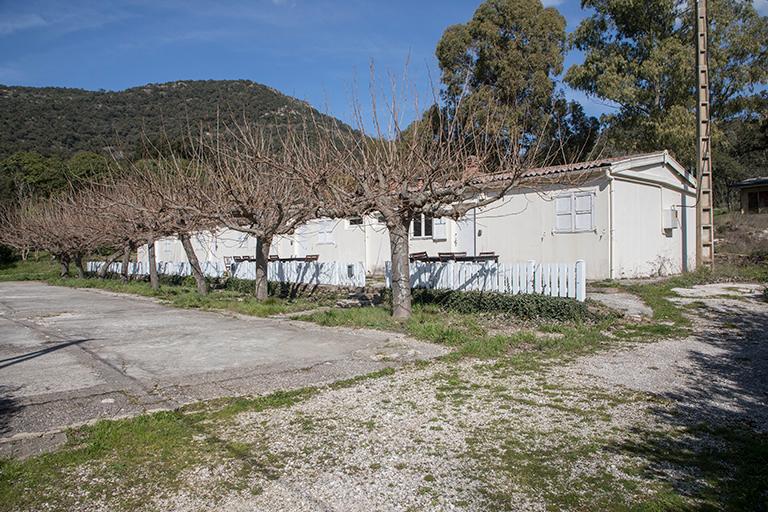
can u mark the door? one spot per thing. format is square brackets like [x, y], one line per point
[464, 239]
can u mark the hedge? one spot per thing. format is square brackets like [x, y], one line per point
[524, 306]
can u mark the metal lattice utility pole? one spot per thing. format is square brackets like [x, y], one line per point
[705, 244]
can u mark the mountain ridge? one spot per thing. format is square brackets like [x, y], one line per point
[63, 121]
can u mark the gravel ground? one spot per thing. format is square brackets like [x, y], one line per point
[602, 432]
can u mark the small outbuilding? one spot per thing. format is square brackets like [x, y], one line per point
[753, 194]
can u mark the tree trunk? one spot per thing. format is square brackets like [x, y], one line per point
[126, 261]
[104, 269]
[79, 266]
[401, 280]
[197, 271]
[154, 282]
[262, 260]
[64, 261]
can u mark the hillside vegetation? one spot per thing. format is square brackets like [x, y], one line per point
[51, 136]
[61, 122]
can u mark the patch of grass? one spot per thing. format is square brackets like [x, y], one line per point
[186, 296]
[722, 468]
[121, 455]
[125, 463]
[369, 317]
[35, 268]
[471, 334]
[427, 322]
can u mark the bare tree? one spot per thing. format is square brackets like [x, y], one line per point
[437, 167]
[258, 183]
[58, 225]
[149, 200]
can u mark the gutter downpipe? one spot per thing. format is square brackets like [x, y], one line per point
[474, 231]
[610, 179]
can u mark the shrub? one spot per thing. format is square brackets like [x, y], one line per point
[525, 306]
[7, 255]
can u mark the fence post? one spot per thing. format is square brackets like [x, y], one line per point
[529, 276]
[581, 280]
[538, 278]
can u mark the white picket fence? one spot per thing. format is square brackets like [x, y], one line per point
[334, 273]
[553, 279]
[170, 268]
[293, 272]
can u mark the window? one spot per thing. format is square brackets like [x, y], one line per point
[752, 202]
[355, 221]
[574, 212]
[422, 226]
[325, 232]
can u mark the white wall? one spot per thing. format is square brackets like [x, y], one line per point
[642, 247]
[521, 227]
[208, 246]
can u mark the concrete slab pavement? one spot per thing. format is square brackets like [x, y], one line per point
[70, 356]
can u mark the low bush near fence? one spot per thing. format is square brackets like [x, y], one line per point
[526, 306]
[276, 289]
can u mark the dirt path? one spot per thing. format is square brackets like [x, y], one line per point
[670, 425]
[674, 423]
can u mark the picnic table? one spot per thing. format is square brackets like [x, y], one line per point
[454, 256]
[274, 257]
[308, 257]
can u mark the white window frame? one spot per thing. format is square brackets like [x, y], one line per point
[573, 211]
[325, 232]
[422, 217]
[356, 225]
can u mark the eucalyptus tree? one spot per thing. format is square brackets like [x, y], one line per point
[504, 63]
[639, 55]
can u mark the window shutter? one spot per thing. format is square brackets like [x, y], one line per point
[438, 229]
[563, 213]
[583, 212]
[325, 235]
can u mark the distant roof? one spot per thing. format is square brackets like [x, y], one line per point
[752, 182]
[567, 168]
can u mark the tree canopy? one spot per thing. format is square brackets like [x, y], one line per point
[639, 55]
[509, 54]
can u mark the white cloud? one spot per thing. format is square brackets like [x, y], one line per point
[11, 24]
[555, 3]
[58, 17]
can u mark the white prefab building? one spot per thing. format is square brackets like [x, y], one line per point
[625, 217]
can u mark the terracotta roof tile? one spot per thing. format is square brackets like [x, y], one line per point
[563, 169]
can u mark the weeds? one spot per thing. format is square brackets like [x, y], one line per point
[132, 458]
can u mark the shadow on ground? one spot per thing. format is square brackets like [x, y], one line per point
[9, 407]
[10, 361]
[715, 452]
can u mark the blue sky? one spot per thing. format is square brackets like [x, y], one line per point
[312, 49]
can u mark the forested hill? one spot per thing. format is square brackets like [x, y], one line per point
[59, 121]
